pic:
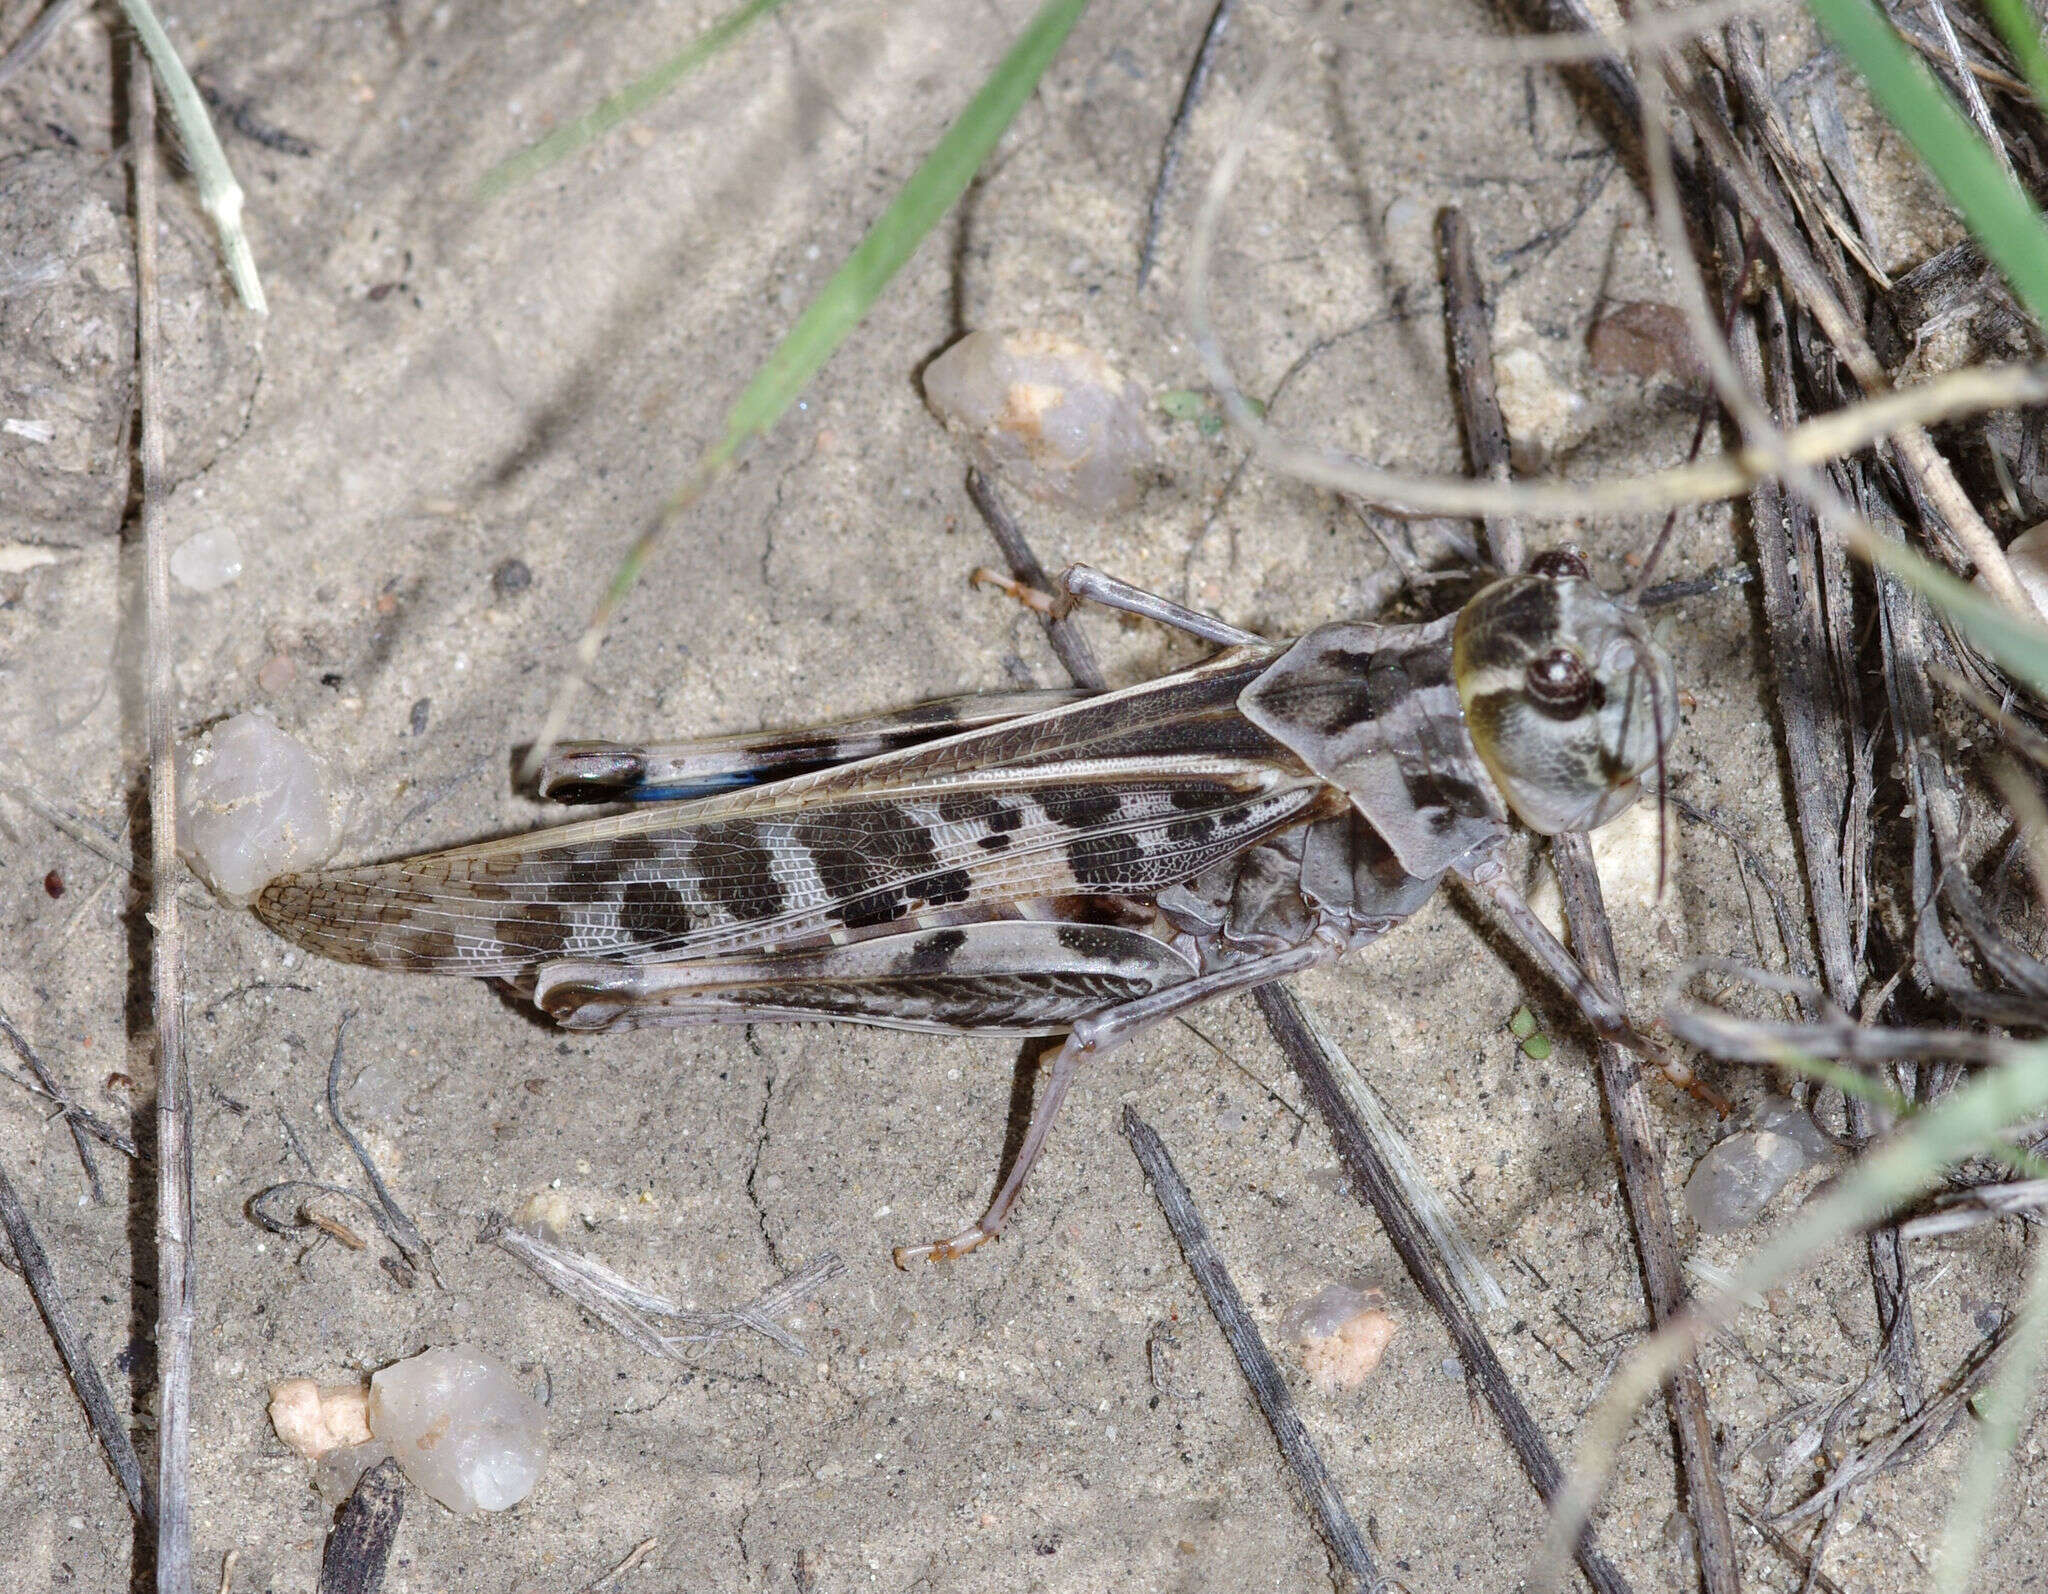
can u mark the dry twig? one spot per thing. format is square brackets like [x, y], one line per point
[634, 1557]
[85, 1377]
[177, 1270]
[396, 1222]
[359, 1551]
[1339, 1531]
[81, 1122]
[1469, 329]
[1176, 134]
[1642, 1183]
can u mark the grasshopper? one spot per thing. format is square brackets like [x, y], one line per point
[1049, 863]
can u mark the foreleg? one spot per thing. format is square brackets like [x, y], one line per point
[1489, 880]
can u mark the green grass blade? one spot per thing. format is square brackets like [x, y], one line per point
[2004, 1406]
[1964, 1122]
[220, 196]
[1996, 211]
[2020, 646]
[856, 285]
[634, 98]
[929, 194]
[2021, 30]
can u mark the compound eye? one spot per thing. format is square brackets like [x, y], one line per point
[1557, 563]
[1560, 683]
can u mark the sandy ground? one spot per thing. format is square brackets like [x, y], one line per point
[443, 387]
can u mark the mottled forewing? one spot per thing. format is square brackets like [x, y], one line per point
[1373, 709]
[786, 878]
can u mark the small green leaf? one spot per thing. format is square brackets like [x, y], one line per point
[1536, 1048]
[1209, 424]
[1185, 403]
[1523, 1024]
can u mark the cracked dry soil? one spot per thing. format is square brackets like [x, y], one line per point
[443, 388]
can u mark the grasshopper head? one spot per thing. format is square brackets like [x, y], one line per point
[1565, 696]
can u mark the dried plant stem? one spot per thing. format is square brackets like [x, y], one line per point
[1813, 779]
[83, 1124]
[177, 1266]
[1374, 1183]
[395, 1221]
[1068, 644]
[85, 1377]
[1176, 134]
[40, 32]
[1642, 1183]
[634, 1557]
[1339, 1531]
[1470, 331]
[625, 1307]
[1803, 275]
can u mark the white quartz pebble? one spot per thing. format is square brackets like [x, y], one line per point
[207, 560]
[337, 1473]
[1342, 1332]
[461, 1426]
[1733, 1183]
[252, 804]
[1046, 414]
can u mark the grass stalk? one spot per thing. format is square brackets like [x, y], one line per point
[220, 196]
[1994, 207]
[630, 101]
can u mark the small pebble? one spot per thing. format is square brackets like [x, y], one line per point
[548, 1215]
[1543, 415]
[1047, 415]
[1647, 341]
[1733, 1183]
[276, 674]
[2028, 555]
[314, 1420]
[207, 560]
[1784, 1116]
[461, 1426]
[420, 710]
[1404, 215]
[53, 885]
[1341, 1332]
[512, 577]
[337, 1473]
[252, 804]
